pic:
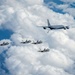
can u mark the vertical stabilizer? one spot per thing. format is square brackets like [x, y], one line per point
[48, 23]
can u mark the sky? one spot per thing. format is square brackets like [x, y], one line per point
[5, 34]
[62, 6]
[21, 20]
[56, 1]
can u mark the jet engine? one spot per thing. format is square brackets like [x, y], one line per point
[44, 27]
[67, 27]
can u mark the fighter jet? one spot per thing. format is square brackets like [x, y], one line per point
[37, 42]
[44, 50]
[27, 41]
[4, 43]
[54, 27]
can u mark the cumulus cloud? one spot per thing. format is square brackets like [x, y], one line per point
[24, 17]
[33, 2]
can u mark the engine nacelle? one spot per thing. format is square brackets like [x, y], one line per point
[44, 27]
[67, 27]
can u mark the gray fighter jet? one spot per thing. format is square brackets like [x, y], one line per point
[4, 43]
[44, 50]
[37, 42]
[27, 41]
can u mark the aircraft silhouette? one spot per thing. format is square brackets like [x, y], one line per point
[44, 50]
[4, 43]
[27, 41]
[54, 27]
[37, 42]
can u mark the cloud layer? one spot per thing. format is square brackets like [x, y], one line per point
[24, 17]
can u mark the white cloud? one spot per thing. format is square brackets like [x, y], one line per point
[70, 11]
[24, 20]
[56, 58]
[68, 1]
[34, 2]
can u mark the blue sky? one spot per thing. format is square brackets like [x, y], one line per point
[2, 62]
[56, 5]
[56, 1]
[5, 34]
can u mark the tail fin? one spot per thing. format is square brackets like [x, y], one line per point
[48, 23]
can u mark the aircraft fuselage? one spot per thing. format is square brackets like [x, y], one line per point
[57, 27]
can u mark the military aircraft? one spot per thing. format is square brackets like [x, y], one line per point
[4, 43]
[44, 50]
[37, 42]
[27, 41]
[54, 27]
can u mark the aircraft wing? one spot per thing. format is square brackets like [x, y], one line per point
[43, 26]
